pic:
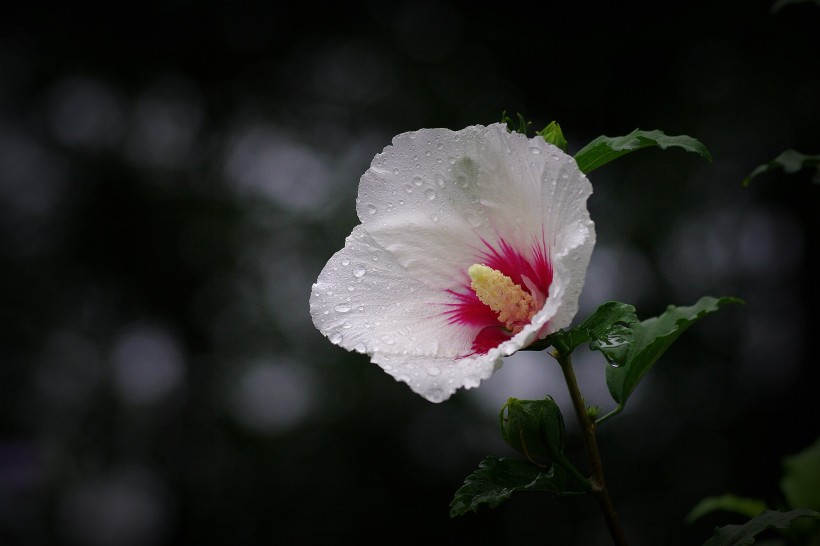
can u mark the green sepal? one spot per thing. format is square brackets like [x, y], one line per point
[497, 479]
[604, 149]
[553, 134]
[650, 339]
[790, 161]
[523, 125]
[740, 535]
[534, 428]
[730, 503]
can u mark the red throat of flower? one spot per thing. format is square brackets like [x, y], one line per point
[505, 291]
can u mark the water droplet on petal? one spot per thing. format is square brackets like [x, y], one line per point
[418, 180]
[434, 395]
[345, 261]
[473, 219]
[408, 188]
[433, 370]
[370, 208]
[342, 308]
[535, 150]
[359, 270]
[336, 338]
[347, 325]
[430, 195]
[350, 289]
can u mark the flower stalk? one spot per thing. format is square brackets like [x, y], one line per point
[599, 489]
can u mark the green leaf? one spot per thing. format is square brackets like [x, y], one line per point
[604, 149]
[534, 428]
[497, 479]
[780, 4]
[552, 133]
[791, 162]
[739, 535]
[607, 327]
[730, 503]
[650, 339]
[801, 478]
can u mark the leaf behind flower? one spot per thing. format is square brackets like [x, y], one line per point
[604, 149]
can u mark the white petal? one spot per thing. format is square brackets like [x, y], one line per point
[486, 184]
[365, 301]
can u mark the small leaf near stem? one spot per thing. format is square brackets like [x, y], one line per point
[599, 490]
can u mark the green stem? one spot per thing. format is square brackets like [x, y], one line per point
[599, 490]
[561, 460]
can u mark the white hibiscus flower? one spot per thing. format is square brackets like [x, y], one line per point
[472, 245]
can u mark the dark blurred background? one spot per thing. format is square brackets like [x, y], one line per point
[174, 175]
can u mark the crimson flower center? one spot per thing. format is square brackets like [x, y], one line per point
[513, 305]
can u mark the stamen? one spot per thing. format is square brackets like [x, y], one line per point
[514, 305]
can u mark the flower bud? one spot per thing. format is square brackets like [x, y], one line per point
[534, 428]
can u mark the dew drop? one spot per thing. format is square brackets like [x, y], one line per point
[345, 261]
[359, 270]
[440, 181]
[370, 208]
[418, 180]
[350, 289]
[395, 171]
[360, 347]
[535, 150]
[342, 308]
[430, 195]
[612, 362]
[408, 188]
[434, 395]
[347, 325]
[434, 371]
[336, 339]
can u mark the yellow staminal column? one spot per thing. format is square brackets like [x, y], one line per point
[514, 305]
